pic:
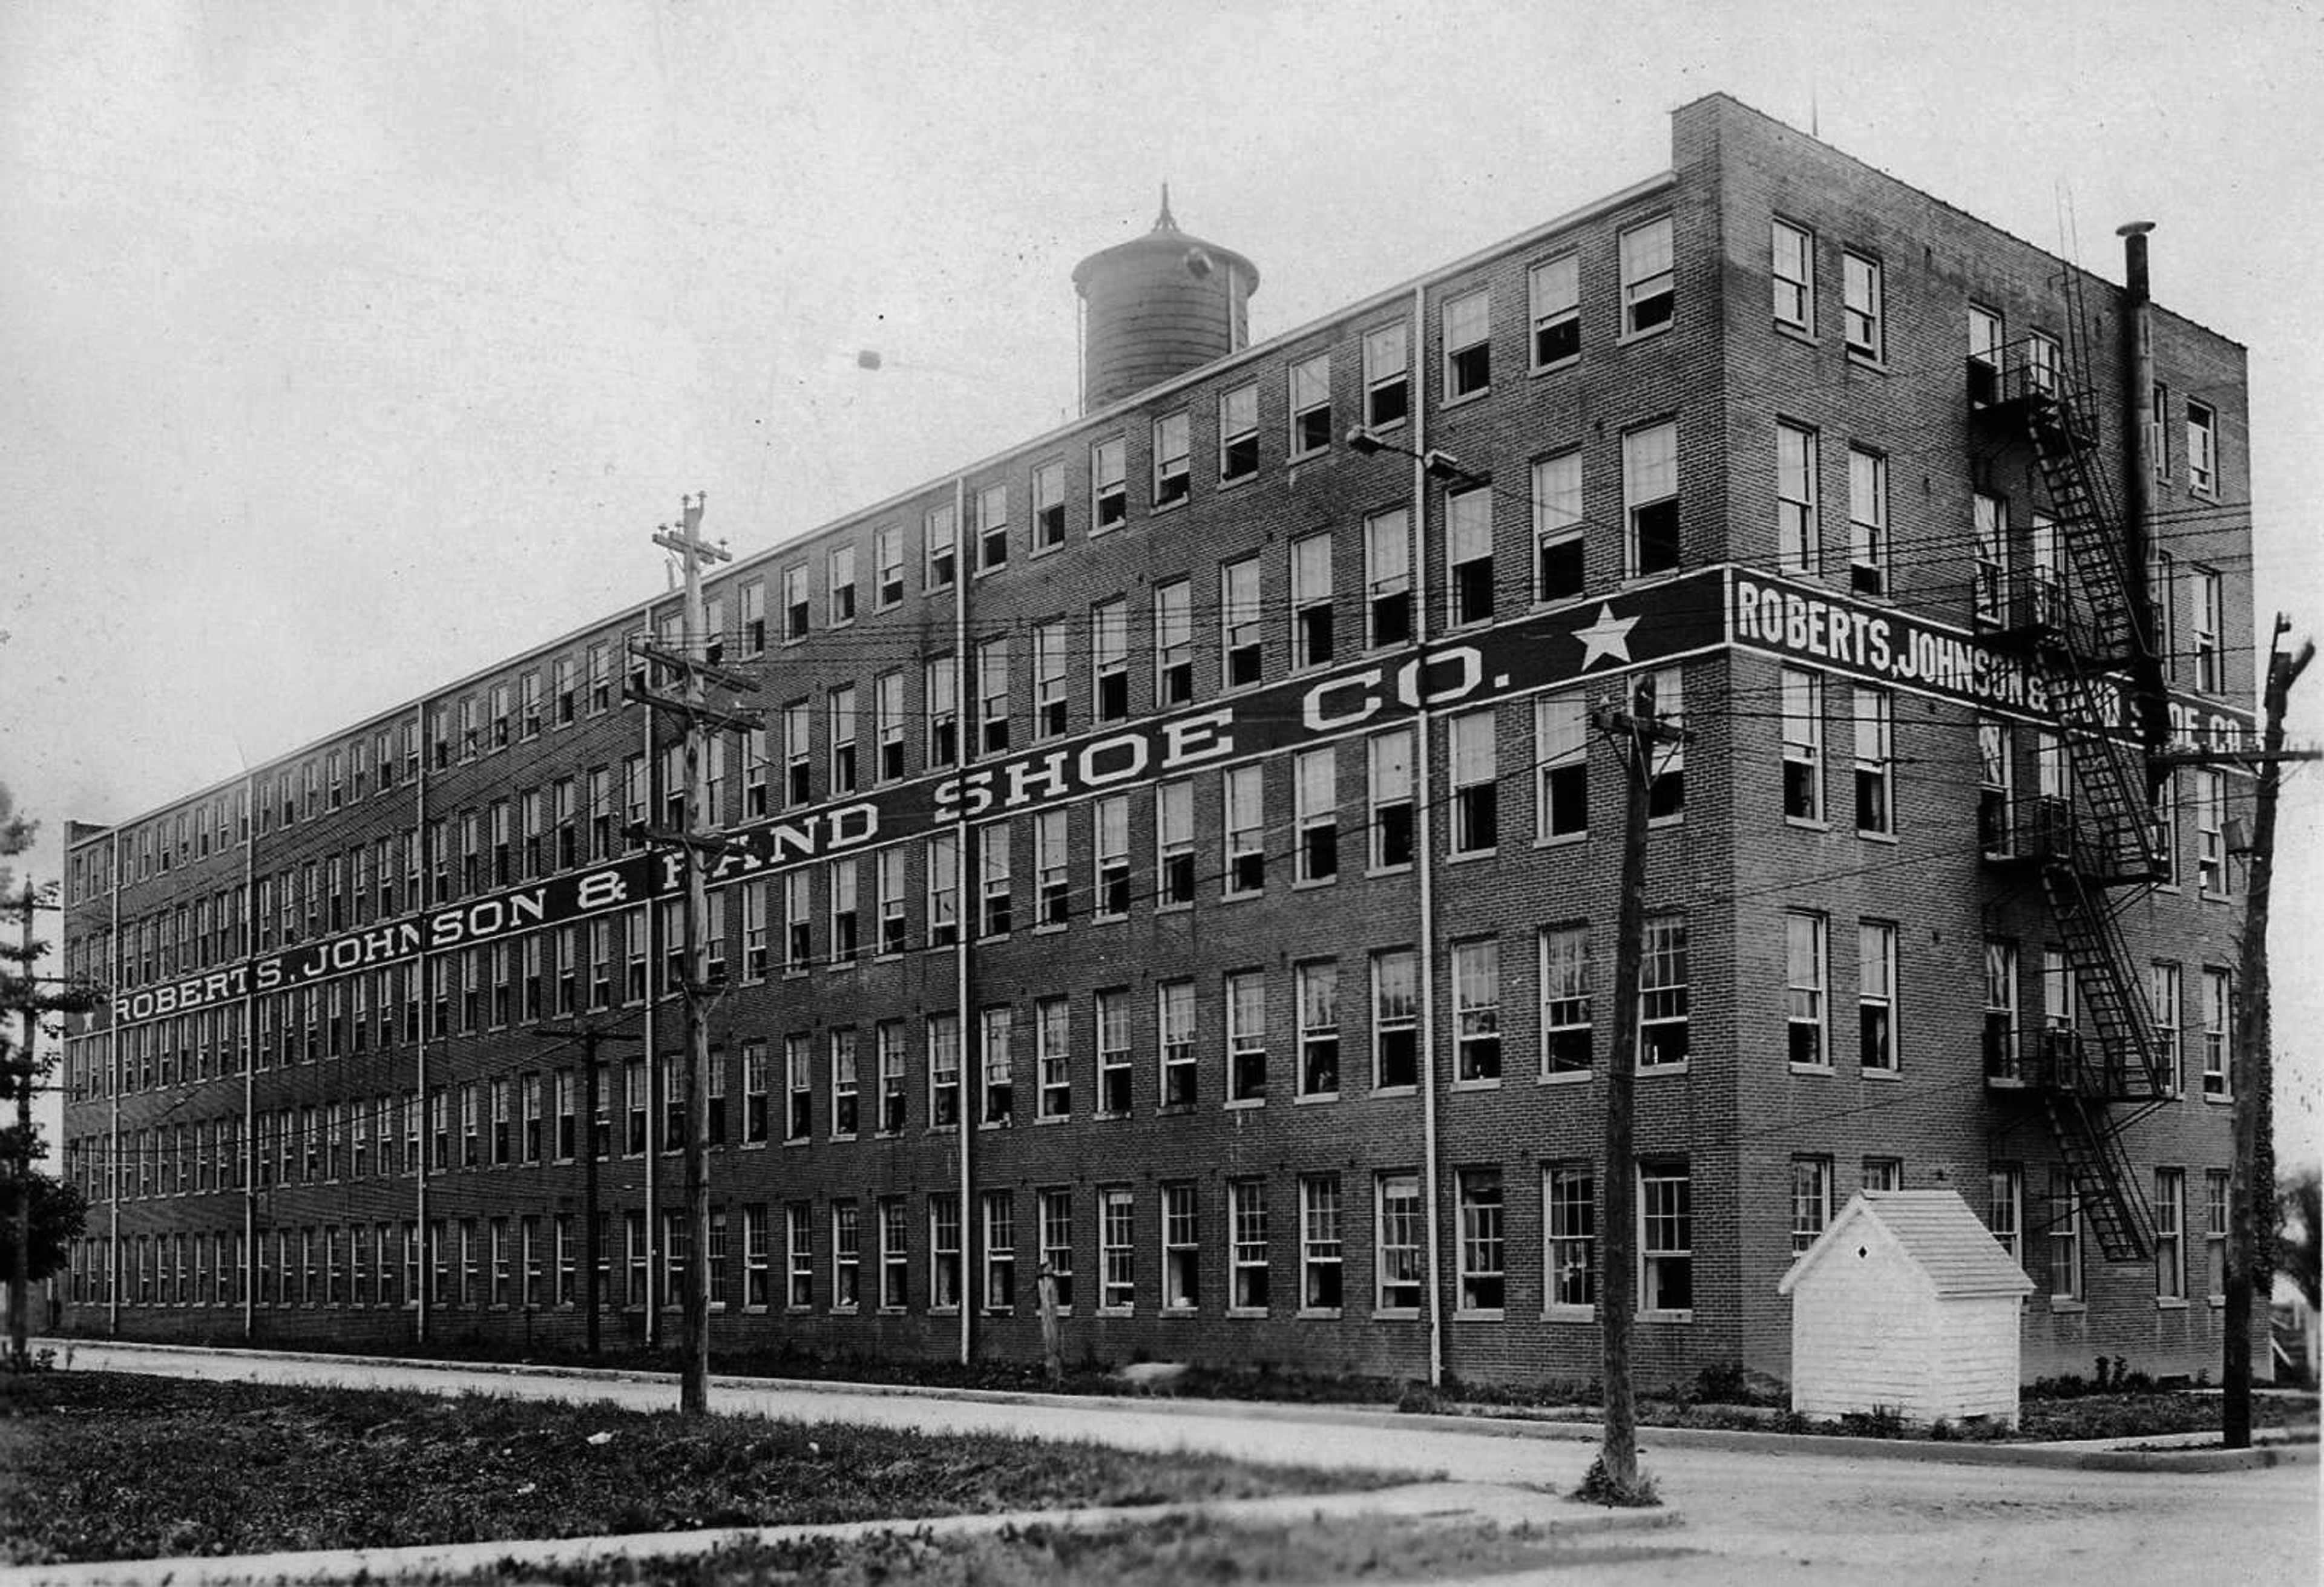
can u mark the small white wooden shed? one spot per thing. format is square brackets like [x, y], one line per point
[1907, 1301]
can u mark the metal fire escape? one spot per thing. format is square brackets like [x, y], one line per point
[2072, 617]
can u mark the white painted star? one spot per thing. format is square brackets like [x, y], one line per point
[1608, 637]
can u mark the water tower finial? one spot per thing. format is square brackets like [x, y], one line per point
[1165, 222]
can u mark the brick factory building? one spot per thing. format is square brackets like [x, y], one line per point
[1178, 852]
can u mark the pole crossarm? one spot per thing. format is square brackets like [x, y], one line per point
[680, 543]
[732, 721]
[741, 683]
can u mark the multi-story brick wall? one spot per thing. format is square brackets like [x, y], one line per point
[1192, 1218]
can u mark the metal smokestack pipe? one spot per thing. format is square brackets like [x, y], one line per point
[2144, 439]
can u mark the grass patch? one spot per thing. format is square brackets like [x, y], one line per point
[101, 1465]
[1166, 1552]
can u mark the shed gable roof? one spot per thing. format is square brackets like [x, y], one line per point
[1935, 1230]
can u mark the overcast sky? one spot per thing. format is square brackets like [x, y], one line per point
[354, 346]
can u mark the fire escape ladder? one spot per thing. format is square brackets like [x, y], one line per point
[2113, 1007]
[2104, 1183]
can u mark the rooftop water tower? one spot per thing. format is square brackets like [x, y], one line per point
[1156, 307]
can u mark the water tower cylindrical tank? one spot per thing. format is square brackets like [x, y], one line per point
[1156, 307]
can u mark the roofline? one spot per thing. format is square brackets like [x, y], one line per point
[643, 610]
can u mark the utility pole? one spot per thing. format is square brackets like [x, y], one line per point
[1636, 733]
[695, 841]
[590, 1037]
[2247, 1192]
[23, 1065]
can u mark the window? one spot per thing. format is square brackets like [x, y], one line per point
[1000, 1210]
[1867, 522]
[1182, 1271]
[944, 1252]
[1247, 1286]
[1173, 643]
[1811, 1200]
[1477, 1010]
[889, 1038]
[888, 725]
[1798, 544]
[1321, 1257]
[1117, 1249]
[2210, 833]
[1239, 621]
[992, 697]
[1389, 763]
[1237, 433]
[1396, 1258]
[1996, 787]
[1174, 843]
[842, 707]
[2162, 613]
[1802, 697]
[2215, 1233]
[944, 889]
[1468, 346]
[1566, 1036]
[1985, 340]
[1859, 283]
[795, 604]
[1475, 786]
[1388, 580]
[1792, 271]
[1387, 392]
[1110, 660]
[1665, 1239]
[2065, 1236]
[1112, 1007]
[798, 921]
[798, 1074]
[846, 1257]
[2209, 621]
[2163, 983]
[846, 1085]
[1310, 405]
[1650, 500]
[1647, 295]
[1554, 289]
[1055, 1211]
[1989, 532]
[1049, 676]
[1317, 989]
[1173, 473]
[1883, 1173]
[1875, 995]
[888, 555]
[1558, 565]
[840, 570]
[992, 508]
[754, 623]
[1311, 600]
[941, 527]
[895, 1259]
[1317, 815]
[1396, 1018]
[1662, 993]
[1049, 507]
[2170, 1234]
[798, 1255]
[1109, 489]
[1569, 1194]
[1052, 1058]
[2219, 1005]
[2202, 449]
[943, 1071]
[2158, 429]
[1174, 1017]
[1875, 713]
[754, 1092]
[1111, 818]
[1244, 810]
[2043, 359]
[1483, 1271]
[1246, 1000]
[995, 1026]
[941, 692]
[2005, 1188]
[1803, 958]
[1469, 554]
[1052, 878]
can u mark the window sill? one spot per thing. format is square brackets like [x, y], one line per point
[1469, 856]
[1309, 455]
[2064, 1306]
[1865, 359]
[2170, 1303]
[1396, 1314]
[943, 1311]
[1186, 908]
[889, 1311]
[1243, 1104]
[1807, 824]
[1396, 1091]
[1805, 335]
[1117, 1311]
[1888, 1073]
[1106, 920]
[1570, 1314]
[1247, 1313]
[1049, 550]
[1871, 836]
[1169, 1108]
[1236, 482]
[1374, 872]
[1053, 1118]
[2216, 1302]
[2218, 1099]
[1483, 1314]
[1481, 1083]
[1661, 1068]
[1052, 927]
[1562, 839]
[1631, 337]
[1242, 897]
[1566, 1077]
[1307, 884]
[1307, 1098]
[1550, 369]
[1667, 1316]
[1180, 1312]
[1807, 1069]
[1162, 509]
[1449, 402]
[1317, 1314]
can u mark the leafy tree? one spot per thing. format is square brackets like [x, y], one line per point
[58, 1211]
[2299, 1229]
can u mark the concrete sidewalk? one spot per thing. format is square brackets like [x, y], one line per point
[1469, 1503]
